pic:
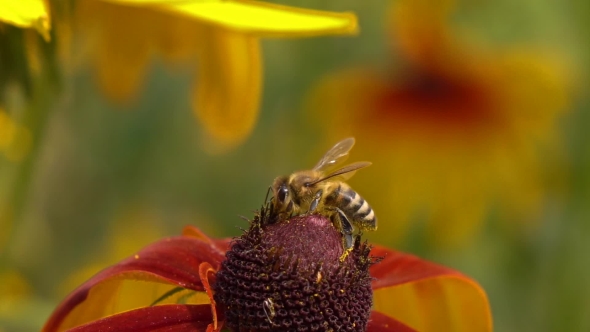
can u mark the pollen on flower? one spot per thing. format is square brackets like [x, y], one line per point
[288, 276]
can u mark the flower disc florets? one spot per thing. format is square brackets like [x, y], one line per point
[288, 276]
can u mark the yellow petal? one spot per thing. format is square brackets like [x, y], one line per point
[449, 303]
[226, 97]
[124, 46]
[26, 14]
[420, 27]
[259, 18]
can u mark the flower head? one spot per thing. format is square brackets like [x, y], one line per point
[295, 269]
[285, 275]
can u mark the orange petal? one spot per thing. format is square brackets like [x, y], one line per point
[171, 318]
[204, 270]
[174, 261]
[226, 97]
[427, 296]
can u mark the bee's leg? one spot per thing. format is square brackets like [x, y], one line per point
[344, 222]
[348, 241]
[315, 201]
[346, 229]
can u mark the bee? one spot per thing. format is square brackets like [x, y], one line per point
[325, 193]
[269, 309]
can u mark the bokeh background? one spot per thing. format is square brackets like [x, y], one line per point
[473, 113]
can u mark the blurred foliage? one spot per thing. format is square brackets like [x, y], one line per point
[91, 172]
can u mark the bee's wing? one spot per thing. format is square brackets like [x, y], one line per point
[345, 172]
[337, 154]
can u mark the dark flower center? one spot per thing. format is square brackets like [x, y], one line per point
[436, 98]
[288, 276]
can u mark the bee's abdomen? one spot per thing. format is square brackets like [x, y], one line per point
[353, 205]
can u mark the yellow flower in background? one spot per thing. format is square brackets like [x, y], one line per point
[220, 37]
[16, 295]
[13, 289]
[26, 14]
[454, 131]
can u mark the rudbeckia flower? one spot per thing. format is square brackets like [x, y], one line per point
[282, 276]
[454, 130]
[221, 37]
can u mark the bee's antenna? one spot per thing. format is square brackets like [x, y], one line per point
[346, 169]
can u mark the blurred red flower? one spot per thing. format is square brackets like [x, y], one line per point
[454, 129]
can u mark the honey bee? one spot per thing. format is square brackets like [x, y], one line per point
[322, 192]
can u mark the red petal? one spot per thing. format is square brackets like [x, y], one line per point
[427, 296]
[382, 323]
[398, 268]
[169, 318]
[221, 244]
[174, 260]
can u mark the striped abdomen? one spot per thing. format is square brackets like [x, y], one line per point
[358, 211]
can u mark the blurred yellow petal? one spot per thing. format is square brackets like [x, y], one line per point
[260, 18]
[528, 74]
[265, 19]
[449, 303]
[226, 96]
[26, 14]
[420, 27]
[223, 36]
[122, 50]
[13, 286]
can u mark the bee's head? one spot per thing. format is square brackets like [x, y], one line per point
[281, 200]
